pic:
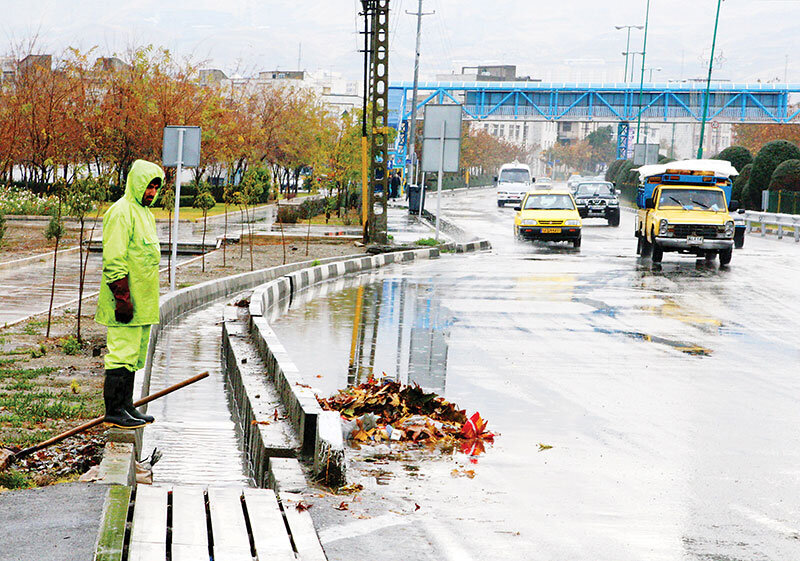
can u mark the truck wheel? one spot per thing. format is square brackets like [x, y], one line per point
[657, 253]
[647, 247]
[501, 204]
[614, 221]
[725, 256]
[738, 238]
[576, 243]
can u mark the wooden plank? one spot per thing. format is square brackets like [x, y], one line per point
[302, 528]
[189, 518]
[149, 530]
[229, 531]
[112, 532]
[266, 521]
[189, 552]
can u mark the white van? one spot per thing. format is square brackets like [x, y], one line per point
[513, 182]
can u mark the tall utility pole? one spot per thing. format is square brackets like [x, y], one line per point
[364, 152]
[627, 46]
[708, 84]
[641, 81]
[411, 140]
[378, 192]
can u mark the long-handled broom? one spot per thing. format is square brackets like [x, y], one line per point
[8, 457]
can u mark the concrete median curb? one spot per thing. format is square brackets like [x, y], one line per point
[319, 433]
[452, 229]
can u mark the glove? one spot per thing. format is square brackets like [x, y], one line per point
[122, 294]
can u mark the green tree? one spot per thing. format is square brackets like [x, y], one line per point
[739, 185]
[768, 158]
[786, 176]
[55, 231]
[205, 202]
[254, 183]
[81, 197]
[738, 156]
[167, 195]
[602, 144]
[613, 170]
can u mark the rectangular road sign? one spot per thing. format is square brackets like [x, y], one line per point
[191, 147]
[435, 116]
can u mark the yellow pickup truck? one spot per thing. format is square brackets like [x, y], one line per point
[685, 207]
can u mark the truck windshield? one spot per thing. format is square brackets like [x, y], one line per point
[692, 199]
[515, 176]
[593, 190]
[549, 202]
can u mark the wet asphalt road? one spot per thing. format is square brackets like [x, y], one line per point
[668, 394]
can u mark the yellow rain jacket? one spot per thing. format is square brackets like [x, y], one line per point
[131, 248]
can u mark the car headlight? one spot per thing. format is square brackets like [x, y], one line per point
[613, 203]
[663, 227]
[529, 222]
[572, 223]
[729, 227]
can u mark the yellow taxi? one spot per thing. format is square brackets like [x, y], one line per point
[548, 216]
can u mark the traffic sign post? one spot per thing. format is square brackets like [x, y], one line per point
[441, 144]
[181, 147]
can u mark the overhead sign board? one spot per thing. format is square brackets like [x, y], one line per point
[190, 154]
[645, 154]
[442, 125]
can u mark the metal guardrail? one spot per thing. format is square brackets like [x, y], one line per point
[778, 223]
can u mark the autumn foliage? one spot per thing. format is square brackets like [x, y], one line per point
[83, 111]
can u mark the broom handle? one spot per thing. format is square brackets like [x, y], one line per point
[98, 420]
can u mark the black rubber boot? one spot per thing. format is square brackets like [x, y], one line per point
[114, 395]
[127, 402]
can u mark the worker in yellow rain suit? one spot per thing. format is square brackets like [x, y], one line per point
[128, 301]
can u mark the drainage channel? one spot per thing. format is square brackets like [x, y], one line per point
[194, 428]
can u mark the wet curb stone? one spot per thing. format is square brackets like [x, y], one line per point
[319, 433]
[455, 231]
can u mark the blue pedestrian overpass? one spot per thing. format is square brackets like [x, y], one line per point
[613, 103]
[666, 102]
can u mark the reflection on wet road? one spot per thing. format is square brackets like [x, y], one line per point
[667, 393]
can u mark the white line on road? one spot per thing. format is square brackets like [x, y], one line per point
[360, 528]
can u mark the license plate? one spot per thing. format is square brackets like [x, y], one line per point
[551, 230]
[596, 208]
[694, 240]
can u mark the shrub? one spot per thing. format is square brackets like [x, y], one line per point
[738, 156]
[288, 214]
[786, 176]
[768, 158]
[2, 227]
[70, 345]
[15, 200]
[739, 184]
[613, 169]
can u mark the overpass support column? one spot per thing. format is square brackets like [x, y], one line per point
[623, 134]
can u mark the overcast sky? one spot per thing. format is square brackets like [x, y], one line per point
[557, 40]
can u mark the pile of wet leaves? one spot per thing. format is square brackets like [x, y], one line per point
[62, 461]
[386, 410]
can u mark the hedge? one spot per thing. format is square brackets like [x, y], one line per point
[740, 183]
[738, 156]
[786, 176]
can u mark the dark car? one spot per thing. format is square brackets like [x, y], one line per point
[598, 199]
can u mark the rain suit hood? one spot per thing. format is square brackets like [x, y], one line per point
[131, 249]
[140, 175]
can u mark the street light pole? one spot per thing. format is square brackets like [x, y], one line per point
[411, 140]
[641, 80]
[708, 84]
[627, 46]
